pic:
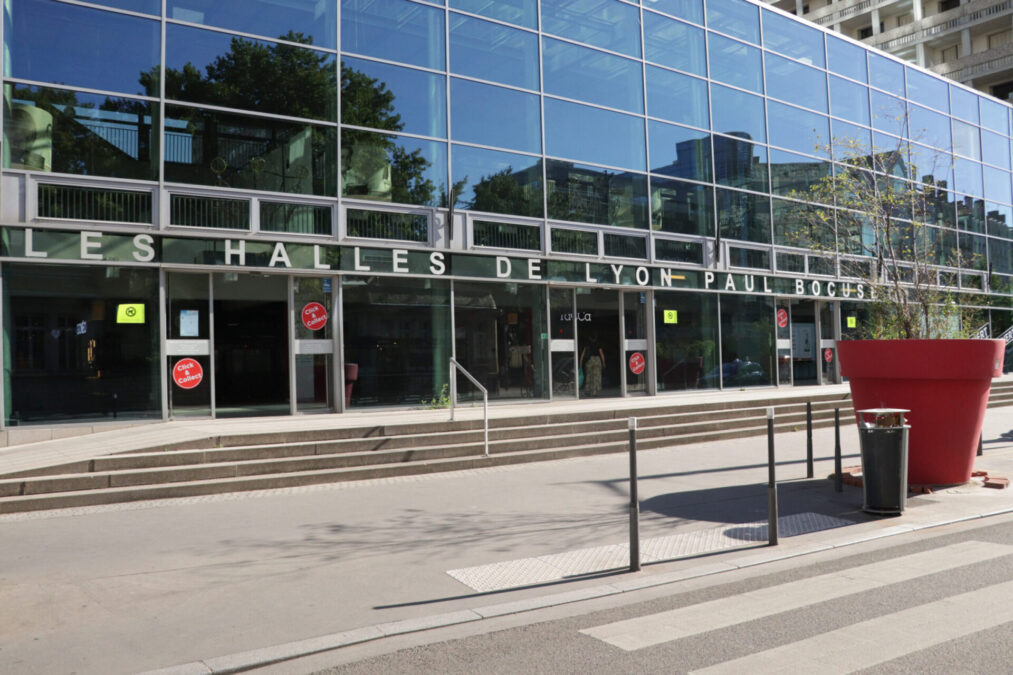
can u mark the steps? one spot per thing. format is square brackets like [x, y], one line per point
[265, 461]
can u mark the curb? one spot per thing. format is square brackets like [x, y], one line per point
[259, 658]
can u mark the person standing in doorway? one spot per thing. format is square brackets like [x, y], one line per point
[593, 366]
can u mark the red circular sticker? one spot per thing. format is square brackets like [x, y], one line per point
[782, 318]
[637, 363]
[187, 373]
[314, 316]
[828, 354]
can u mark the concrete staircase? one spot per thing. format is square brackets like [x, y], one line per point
[264, 461]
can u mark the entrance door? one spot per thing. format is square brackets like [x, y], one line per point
[813, 342]
[600, 353]
[251, 345]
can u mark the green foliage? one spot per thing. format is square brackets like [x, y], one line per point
[441, 400]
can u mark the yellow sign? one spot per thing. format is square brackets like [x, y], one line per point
[671, 316]
[852, 322]
[132, 313]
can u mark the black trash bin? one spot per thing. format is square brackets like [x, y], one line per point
[883, 436]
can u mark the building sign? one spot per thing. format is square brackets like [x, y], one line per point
[637, 363]
[314, 316]
[130, 313]
[187, 373]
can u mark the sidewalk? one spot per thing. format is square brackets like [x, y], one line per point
[233, 581]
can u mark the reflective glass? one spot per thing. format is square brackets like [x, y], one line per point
[967, 176]
[142, 6]
[734, 17]
[738, 114]
[308, 21]
[886, 74]
[931, 166]
[798, 130]
[747, 342]
[794, 175]
[993, 115]
[489, 51]
[735, 63]
[619, 139]
[997, 185]
[995, 149]
[927, 90]
[393, 98]
[73, 132]
[204, 66]
[676, 97]
[690, 252]
[685, 350]
[847, 59]
[891, 153]
[208, 147]
[593, 76]
[973, 252]
[674, 44]
[392, 168]
[589, 194]
[498, 182]
[935, 207]
[1000, 254]
[740, 163]
[790, 226]
[849, 100]
[929, 127]
[682, 208]
[491, 115]
[394, 29]
[1000, 220]
[850, 141]
[70, 45]
[680, 152]
[795, 83]
[793, 38]
[966, 140]
[888, 113]
[689, 10]
[963, 104]
[743, 216]
[608, 24]
[520, 12]
[970, 214]
[624, 247]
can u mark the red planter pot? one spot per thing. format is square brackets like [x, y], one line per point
[945, 385]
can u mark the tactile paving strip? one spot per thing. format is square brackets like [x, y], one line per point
[547, 568]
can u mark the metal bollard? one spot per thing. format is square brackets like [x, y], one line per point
[634, 501]
[809, 439]
[771, 482]
[838, 470]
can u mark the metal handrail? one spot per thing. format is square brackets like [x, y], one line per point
[453, 396]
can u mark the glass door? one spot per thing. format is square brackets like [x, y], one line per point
[830, 371]
[804, 345]
[188, 347]
[314, 316]
[562, 346]
[598, 339]
[635, 352]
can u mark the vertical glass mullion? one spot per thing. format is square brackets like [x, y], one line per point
[163, 320]
[211, 338]
[290, 301]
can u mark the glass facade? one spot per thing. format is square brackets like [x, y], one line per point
[591, 152]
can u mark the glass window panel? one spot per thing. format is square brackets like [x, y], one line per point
[743, 216]
[490, 115]
[791, 227]
[625, 247]
[748, 257]
[849, 100]
[1000, 220]
[680, 152]
[142, 6]
[938, 206]
[931, 166]
[295, 218]
[497, 182]
[997, 185]
[929, 127]
[208, 147]
[620, 138]
[393, 98]
[674, 44]
[682, 208]
[394, 29]
[506, 235]
[676, 97]
[608, 24]
[964, 104]
[793, 38]
[574, 241]
[371, 224]
[87, 203]
[798, 129]
[489, 51]
[927, 90]
[73, 132]
[204, 66]
[889, 113]
[966, 141]
[967, 176]
[795, 83]
[519, 12]
[66, 44]
[738, 114]
[792, 174]
[747, 342]
[970, 214]
[740, 163]
[851, 142]
[886, 74]
[847, 59]
[689, 252]
[993, 115]
[734, 17]
[690, 10]
[686, 349]
[1001, 255]
[393, 168]
[308, 21]
[790, 262]
[973, 252]
[735, 63]
[995, 149]
[590, 194]
[593, 76]
[194, 211]
[890, 152]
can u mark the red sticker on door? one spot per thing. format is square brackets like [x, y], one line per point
[782, 318]
[637, 363]
[314, 316]
[828, 354]
[187, 373]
